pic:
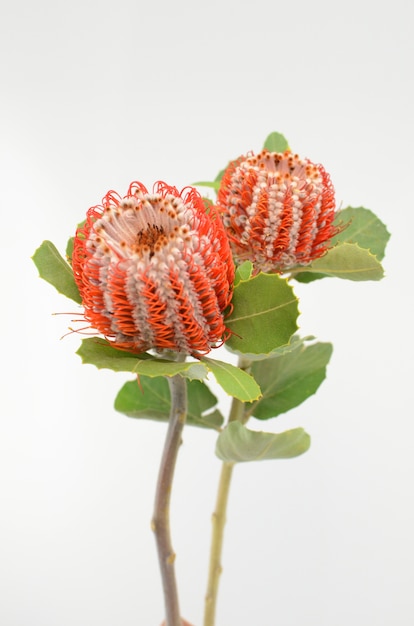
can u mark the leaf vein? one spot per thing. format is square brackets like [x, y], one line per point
[265, 312]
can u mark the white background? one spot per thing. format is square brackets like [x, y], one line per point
[95, 95]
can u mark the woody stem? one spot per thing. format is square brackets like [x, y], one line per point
[219, 519]
[161, 517]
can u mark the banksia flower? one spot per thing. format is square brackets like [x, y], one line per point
[155, 270]
[278, 210]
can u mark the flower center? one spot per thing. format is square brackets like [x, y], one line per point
[285, 167]
[149, 240]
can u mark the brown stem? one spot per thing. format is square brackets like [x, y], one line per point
[161, 518]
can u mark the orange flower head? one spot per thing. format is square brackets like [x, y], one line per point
[155, 270]
[278, 210]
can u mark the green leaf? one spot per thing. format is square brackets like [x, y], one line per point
[358, 226]
[264, 314]
[200, 401]
[149, 398]
[303, 277]
[275, 142]
[243, 272]
[71, 241]
[363, 227]
[54, 269]
[294, 343]
[159, 367]
[235, 381]
[348, 261]
[69, 248]
[214, 184]
[98, 352]
[220, 176]
[236, 444]
[288, 379]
